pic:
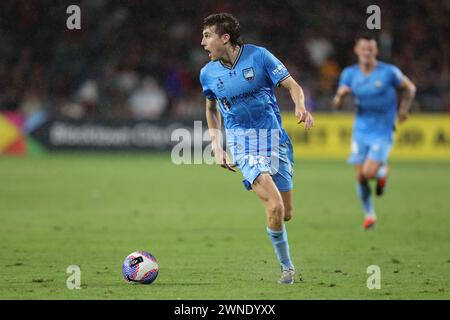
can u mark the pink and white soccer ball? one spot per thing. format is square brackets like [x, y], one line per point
[140, 267]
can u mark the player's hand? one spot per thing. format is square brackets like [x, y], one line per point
[222, 159]
[303, 115]
[337, 102]
[339, 97]
[402, 115]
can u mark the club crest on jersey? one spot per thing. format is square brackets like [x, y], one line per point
[378, 84]
[249, 74]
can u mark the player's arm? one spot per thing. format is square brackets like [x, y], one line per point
[338, 99]
[214, 121]
[344, 88]
[298, 97]
[408, 89]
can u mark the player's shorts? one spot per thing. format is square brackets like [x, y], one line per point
[280, 165]
[376, 150]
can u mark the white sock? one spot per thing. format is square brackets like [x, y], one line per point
[382, 172]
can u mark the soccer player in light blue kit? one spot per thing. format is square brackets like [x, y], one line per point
[238, 84]
[373, 84]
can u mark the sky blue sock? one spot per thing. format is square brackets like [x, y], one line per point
[281, 245]
[363, 191]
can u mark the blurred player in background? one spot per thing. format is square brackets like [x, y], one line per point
[238, 84]
[373, 84]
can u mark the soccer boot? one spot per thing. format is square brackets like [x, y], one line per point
[369, 222]
[381, 184]
[287, 276]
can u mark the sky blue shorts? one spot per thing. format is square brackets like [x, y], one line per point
[375, 150]
[280, 165]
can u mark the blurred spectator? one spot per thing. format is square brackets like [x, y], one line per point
[149, 101]
[88, 97]
[328, 75]
[100, 70]
[71, 110]
[319, 50]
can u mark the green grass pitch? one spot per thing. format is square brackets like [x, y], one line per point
[208, 232]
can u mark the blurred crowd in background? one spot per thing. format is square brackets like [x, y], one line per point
[141, 59]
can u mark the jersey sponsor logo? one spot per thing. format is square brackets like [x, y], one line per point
[237, 98]
[225, 103]
[249, 74]
[278, 70]
[220, 85]
[243, 96]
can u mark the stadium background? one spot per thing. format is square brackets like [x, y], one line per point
[140, 60]
[130, 76]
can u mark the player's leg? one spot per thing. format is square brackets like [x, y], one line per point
[364, 194]
[376, 166]
[382, 177]
[379, 171]
[282, 168]
[287, 202]
[370, 169]
[359, 152]
[268, 193]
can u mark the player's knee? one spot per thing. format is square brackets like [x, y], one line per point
[369, 173]
[360, 177]
[276, 209]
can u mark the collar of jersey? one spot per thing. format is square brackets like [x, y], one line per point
[236, 61]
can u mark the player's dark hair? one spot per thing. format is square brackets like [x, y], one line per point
[225, 23]
[365, 36]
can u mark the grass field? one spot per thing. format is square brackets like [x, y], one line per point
[208, 232]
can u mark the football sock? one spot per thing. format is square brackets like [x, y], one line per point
[363, 191]
[382, 171]
[281, 245]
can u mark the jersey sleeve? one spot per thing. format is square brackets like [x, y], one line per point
[207, 92]
[274, 68]
[397, 76]
[345, 78]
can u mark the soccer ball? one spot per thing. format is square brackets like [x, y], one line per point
[140, 267]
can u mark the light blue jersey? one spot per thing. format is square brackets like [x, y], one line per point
[245, 91]
[375, 98]
[376, 103]
[247, 102]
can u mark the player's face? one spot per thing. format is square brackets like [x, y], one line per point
[366, 50]
[212, 43]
